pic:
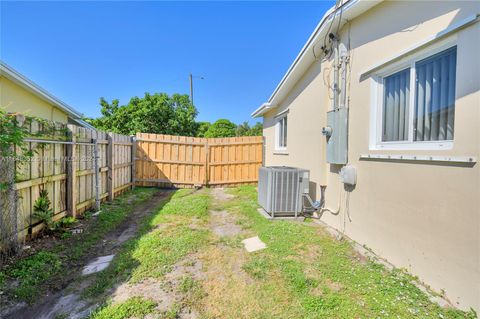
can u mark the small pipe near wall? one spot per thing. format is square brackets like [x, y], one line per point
[343, 52]
[335, 71]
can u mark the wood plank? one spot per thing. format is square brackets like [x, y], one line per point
[38, 181]
[171, 162]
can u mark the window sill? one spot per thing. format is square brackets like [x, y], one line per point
[469, 160]
[280, 152]
[413, 146]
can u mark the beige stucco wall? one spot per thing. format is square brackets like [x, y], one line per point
[424, 217]
[14, 98]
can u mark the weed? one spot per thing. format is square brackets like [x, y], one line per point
[187, 284]
[257, 267]
[42, 210]
[2, 278]
[134, 307]
[32, 271]
[173, 312]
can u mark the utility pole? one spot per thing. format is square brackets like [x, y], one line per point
[191, 76]
[191, 88]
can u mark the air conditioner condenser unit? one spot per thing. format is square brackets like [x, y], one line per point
[281, 190]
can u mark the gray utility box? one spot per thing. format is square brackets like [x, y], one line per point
[280, 190]
[337, 120]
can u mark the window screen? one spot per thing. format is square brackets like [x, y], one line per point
[435, 97]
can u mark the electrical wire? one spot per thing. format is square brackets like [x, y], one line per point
[331, 23]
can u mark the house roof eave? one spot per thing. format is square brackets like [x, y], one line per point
[350, 9]
[18, 78]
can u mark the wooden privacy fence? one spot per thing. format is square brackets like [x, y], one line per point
[166, 160]
[72, 162]
[64, 164]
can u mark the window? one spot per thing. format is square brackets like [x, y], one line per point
[281, 133]
[417, 103]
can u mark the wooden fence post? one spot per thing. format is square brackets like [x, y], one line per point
[72, 172]
[207, 159]
[111, 167]
[134, 155]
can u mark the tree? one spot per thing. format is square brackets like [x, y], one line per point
[242, 129]
[245, 129]
[257, 129]
[158, 113]
[221, 128]
[202, 128]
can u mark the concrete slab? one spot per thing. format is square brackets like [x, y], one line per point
[253, 244]
[97, 265]
[268, 216]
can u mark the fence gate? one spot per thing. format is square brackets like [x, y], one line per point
[180, 161]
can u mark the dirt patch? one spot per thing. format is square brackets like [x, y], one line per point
[223, 224]
[150, 288]
[334, 286]
[220, 195]
[223, 271]
[165, 292]
[63, 295]
[190, 266]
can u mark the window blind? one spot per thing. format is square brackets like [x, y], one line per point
[395, 106]
[435, 97]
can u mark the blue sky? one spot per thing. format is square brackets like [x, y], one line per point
[80, 51]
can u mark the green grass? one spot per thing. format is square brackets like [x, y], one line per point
[132, 308]
[322, 276]
[31, 272]
[34, 273]
[303, 272]
[156, 249]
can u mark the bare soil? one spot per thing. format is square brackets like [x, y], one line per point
[223, 224]
[220, 195]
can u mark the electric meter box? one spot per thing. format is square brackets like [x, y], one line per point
[337, 141]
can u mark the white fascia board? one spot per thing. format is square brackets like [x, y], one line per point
[13, 75]
[262, 109]
[350, 10]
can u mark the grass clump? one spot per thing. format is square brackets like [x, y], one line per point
[32, 271]
[132, 308]
[257, 267]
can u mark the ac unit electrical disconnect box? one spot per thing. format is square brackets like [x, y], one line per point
[348, 175]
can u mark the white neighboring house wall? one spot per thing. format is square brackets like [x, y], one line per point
[416, 203]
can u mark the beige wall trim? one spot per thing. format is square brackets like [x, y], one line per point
[440, 35]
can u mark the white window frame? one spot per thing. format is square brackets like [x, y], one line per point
[377, 100]
[278, 120]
